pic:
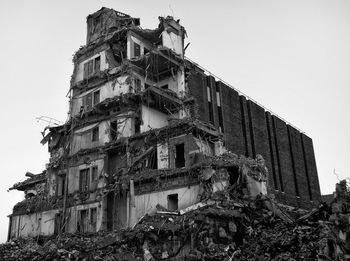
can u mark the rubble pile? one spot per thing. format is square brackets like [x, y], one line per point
[219, 228]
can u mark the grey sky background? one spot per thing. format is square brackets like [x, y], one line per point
[291, 56]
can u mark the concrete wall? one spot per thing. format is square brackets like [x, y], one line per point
[79, 71]
[173, 42]
[41, 223]
[152, 119]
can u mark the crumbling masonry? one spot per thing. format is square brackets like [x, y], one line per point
[150, 130]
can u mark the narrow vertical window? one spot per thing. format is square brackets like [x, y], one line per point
[84, 180]
[95, 134]
[94, 177]
[210, 101]
[173, 202]
[114, 130]
[97, 64]
[137, 50]
[96, 97]
[218, 103]
[180, 155]
[93, 219]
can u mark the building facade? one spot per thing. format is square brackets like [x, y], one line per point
[147, 130]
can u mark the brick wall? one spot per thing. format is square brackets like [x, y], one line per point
[250, 130]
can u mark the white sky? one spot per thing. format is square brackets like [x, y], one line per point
[291, 56]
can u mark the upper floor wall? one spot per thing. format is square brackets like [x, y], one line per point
[91, 66]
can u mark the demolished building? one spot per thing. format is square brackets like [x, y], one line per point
[149, 129]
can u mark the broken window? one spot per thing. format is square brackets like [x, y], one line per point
[97, 64]
[94, 177]
[114, 130]
[173, 202]
[152, 162]
[83, 224]
[95, 134]
[180, 155]
[84, 180]
[58, 219]
[137, 50]
[96, 97]
[87, 101]
[61, 182]
[90, 67]
[93, 219]
[210, 103]
[137, 125]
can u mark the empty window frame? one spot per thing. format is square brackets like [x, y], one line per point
[84, 180]
[137, 122]
[180, 155]
[173, 202]
[94, 177]
[95, 97]
[60, 185]
[137, 50]
[210, 101]
[83, 221]
[95, 134]
[114, 131]
[218, 103]
[93, 219]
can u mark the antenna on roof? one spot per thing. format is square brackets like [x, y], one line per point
[49, 120]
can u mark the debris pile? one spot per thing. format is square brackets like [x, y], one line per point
[218, 228]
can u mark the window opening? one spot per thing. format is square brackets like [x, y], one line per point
[137, 125]
[94, 177]
[97, 64]
[95, 134]
[84, 180]
[137, 50]
[83, 225]
[210, 105]
[96, 97]
[153, 160]
[114, 130]
[218, 102]
[92, 66]
[58, 224]
[180, 155]
[93, 219]
[166, 86]
[60, 185]
[173, 202]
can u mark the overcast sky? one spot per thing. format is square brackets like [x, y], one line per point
[291, 56]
